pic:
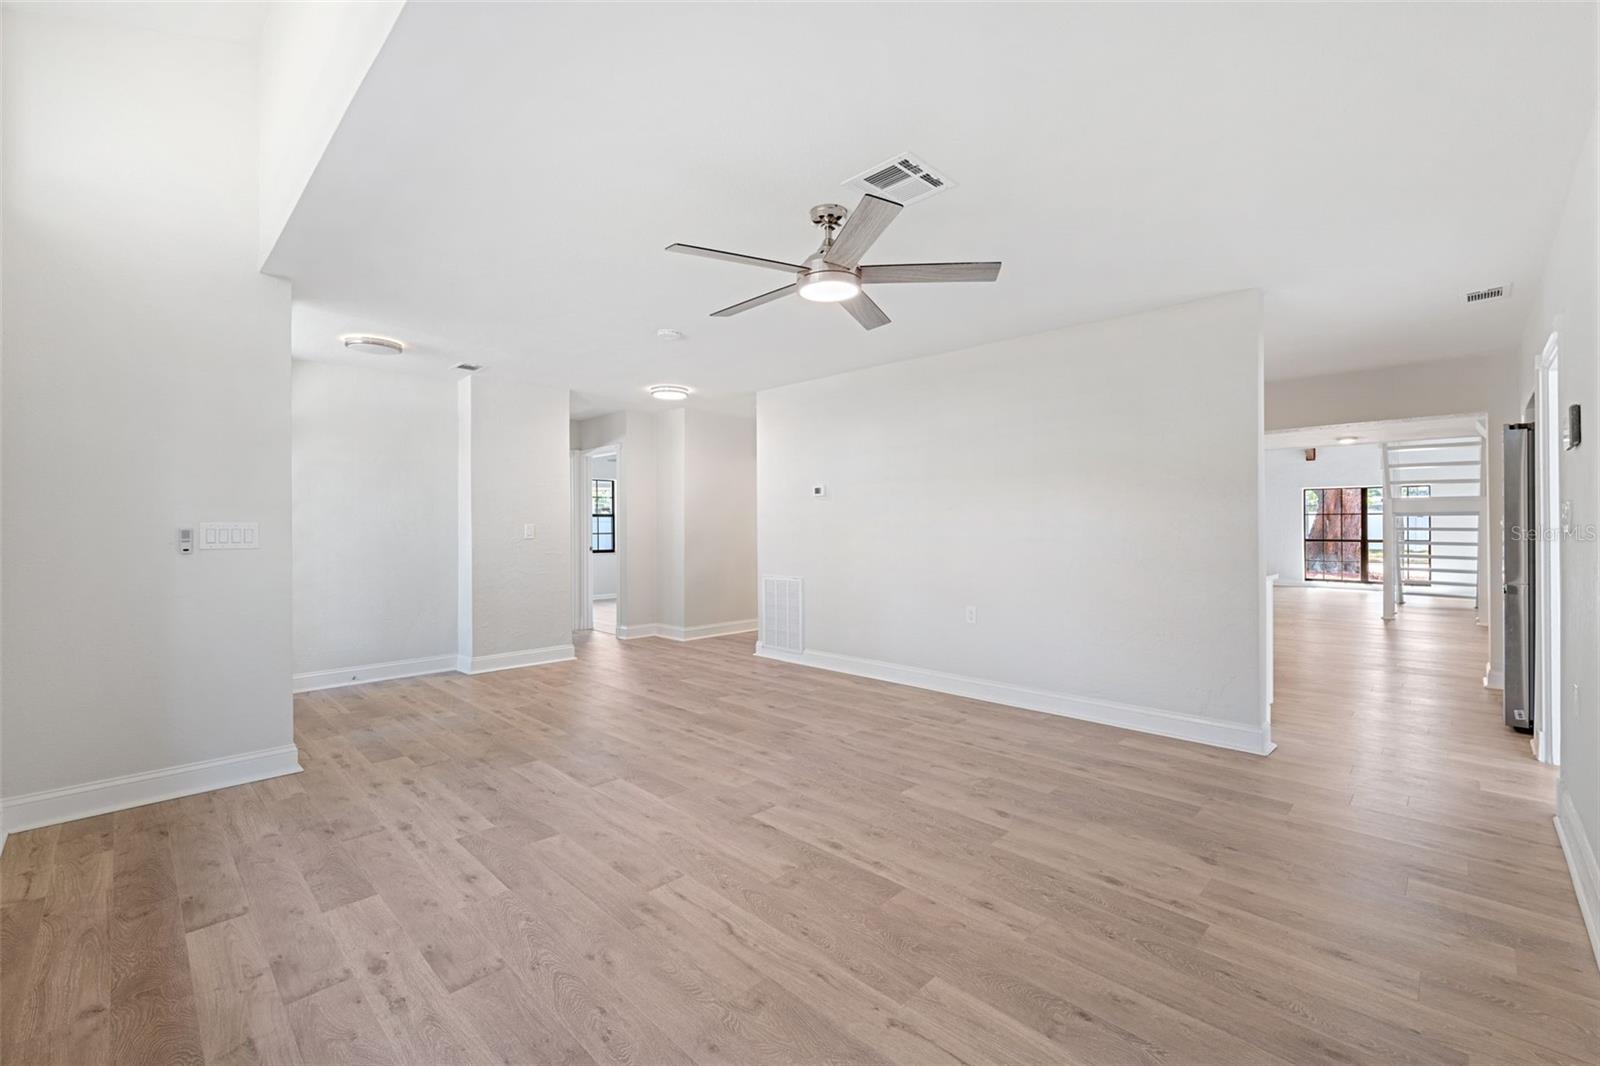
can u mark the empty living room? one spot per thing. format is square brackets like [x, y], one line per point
[742, 533]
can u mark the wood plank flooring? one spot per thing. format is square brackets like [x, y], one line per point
[667, 853]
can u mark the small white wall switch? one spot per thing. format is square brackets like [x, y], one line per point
[228, 536]
[819, 489]
[972, 616]
[528, 531]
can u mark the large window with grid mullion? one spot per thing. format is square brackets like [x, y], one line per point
[1339, 540]
[602, 515]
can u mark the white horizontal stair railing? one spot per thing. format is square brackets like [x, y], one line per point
[1433, 513]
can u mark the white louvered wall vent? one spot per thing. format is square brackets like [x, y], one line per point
[903, 178]
[1492, 293]
[781, 614]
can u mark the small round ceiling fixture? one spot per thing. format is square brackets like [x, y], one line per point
[670, 392]
[665, 334]
[373, 345]
[1346, 440]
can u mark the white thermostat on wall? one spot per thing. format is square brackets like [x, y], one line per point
[819, 489]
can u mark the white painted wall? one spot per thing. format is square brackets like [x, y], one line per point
[1283, 509]
[603, 583]
[685, 518]
[637, 520]
[1566, 305]
[374, 513]
[1134, 429]
[671, 453]
[719, 514]
[2, 433]
[520, 442]
[146, 369]
[1413, 390]
[313, 58]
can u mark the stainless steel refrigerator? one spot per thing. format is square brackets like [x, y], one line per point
[1521, 542]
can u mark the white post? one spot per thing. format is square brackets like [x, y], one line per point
[1391, 544]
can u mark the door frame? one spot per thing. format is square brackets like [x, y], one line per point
[1547, 560]
[582, 557]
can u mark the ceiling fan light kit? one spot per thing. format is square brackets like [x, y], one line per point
[827, 285]
[834, 273]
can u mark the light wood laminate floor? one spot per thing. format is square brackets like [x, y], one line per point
[671, 853]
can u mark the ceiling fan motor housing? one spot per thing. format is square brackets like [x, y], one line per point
[824, 282]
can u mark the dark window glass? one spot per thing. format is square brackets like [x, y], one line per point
[1343, 534]
[602, 515]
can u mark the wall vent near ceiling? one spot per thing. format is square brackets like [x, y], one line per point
[1493, 293]
[471, 368]
[781, 615]
[903, 178]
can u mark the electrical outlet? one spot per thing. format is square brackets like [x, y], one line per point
[972, 616]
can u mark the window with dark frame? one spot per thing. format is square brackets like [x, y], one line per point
[1337, 547]
[602, 515]
[1344, 536]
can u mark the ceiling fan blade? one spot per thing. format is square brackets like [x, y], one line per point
[755, 301]
[911, 272]
[865, 311]
[734, 257]
[865, 225]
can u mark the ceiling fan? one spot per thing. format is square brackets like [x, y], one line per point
[835, 274]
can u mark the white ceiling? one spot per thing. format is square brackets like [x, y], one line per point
[1440, 427]
[503, 185]
[238, 21]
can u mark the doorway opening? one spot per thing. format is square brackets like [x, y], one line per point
[598, 578]
[604, 545]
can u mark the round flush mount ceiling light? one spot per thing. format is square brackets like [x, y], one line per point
[669, 334]
[366, 342]
[669, 392]
[829, 285]
[1346, 440]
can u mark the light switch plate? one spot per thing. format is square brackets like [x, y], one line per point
[528, 531]
[228, 536]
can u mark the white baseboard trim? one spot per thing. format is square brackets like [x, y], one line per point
[513, 660]
[1493, 679]
[1582, 866]
[316, 680]
[56, 805]
[1256, 740]
[680, 633]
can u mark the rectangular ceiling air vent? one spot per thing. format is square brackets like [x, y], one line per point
[1487, 294]
[903, 178]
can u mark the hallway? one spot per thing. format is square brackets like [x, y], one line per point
[1401, 706]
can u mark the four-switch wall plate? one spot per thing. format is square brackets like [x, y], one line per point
[228, 536]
